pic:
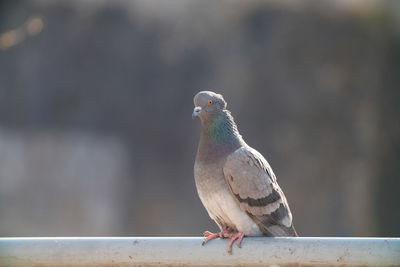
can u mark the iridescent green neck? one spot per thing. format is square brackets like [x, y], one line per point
[221, 129]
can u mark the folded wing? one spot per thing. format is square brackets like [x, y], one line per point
[254, 187]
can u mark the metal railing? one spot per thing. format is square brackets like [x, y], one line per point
[188, 251]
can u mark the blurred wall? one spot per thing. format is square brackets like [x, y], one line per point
[96, 136]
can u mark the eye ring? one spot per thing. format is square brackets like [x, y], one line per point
[210, 102]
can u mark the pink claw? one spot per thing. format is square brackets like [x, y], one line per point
[209, 236]
[239, 237]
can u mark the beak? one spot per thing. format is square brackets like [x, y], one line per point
[196, 112]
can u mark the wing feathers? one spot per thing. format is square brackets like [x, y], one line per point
[253, 184]
[260, 202]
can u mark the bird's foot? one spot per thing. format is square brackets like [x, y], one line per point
[209, 236]
[236, 236]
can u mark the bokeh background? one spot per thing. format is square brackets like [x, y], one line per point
[96, 135]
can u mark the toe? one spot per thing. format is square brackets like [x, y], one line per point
[207, 233]
[239, 240]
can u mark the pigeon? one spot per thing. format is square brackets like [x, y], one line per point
[235, 183]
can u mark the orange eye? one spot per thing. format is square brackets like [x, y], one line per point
[210, 102]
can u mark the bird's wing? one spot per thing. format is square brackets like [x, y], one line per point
[254, 187]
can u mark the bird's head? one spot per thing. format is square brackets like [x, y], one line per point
[208, 104]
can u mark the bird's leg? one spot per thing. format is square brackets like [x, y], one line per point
[236, 236]
[209, 236]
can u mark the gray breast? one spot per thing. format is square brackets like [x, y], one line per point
[218, 200]
[210, 184]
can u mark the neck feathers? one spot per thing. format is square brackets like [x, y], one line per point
[219, 136]
[221, 129]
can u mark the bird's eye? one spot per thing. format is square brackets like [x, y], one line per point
[210, 102]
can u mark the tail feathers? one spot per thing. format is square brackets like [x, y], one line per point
[270, 227]
[279, 230]
[294, 231]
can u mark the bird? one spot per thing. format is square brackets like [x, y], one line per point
[235, 183]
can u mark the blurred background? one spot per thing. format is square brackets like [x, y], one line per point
[96, 135]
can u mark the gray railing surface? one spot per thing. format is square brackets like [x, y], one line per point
[188, 251]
